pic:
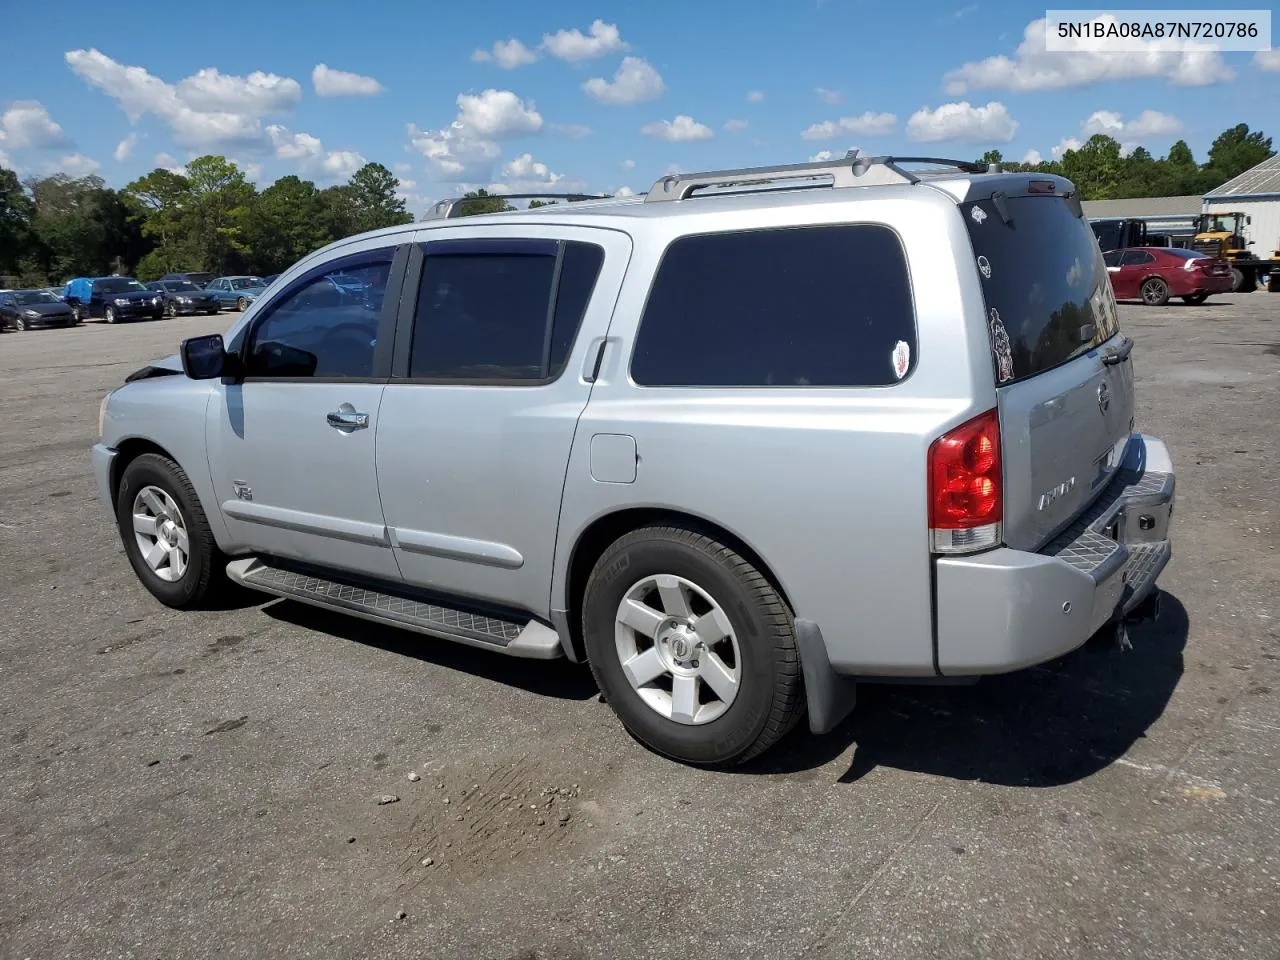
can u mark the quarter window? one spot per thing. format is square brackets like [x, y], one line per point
[501, 311]
[803, 307]
[327, 326]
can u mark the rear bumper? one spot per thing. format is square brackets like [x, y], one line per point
[1006, 609]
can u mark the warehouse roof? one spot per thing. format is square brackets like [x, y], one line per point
[1262, 180]
[1143, 207]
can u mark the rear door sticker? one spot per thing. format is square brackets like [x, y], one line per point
[1001, 347]
[984, 267]
[977, 214]
[901, 358]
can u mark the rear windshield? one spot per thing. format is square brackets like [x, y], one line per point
[1046, 288]
[1189, 254]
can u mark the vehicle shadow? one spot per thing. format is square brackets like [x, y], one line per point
[560, 678]
[1043, 727]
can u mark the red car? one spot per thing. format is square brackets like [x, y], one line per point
[1154, 274]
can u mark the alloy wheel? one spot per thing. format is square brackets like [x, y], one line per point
[161, 534]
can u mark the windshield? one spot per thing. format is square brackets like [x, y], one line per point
[118, 285]
[1220, 223]
[245, 283]
[183, 287]
[1047, 292]
[25, 298]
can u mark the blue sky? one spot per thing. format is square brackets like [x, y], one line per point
[594, 96]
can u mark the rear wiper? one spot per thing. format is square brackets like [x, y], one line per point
[1119, 353]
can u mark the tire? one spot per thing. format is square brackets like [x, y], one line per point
[1196, 299]
[1155, 292]
[76, 315]
[242, 304]
[169, 309]
[758, 647]
[20, 323]
[202, 577]
[1237, 280]
[109, 315]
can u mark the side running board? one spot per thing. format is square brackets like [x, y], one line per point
[531, 639]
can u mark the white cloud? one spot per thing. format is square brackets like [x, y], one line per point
[339, 83]
[205, 109]
[27, 124]
[824, 155]
[962, 122]
[6, 162]
[508, 54]
[125, 147]
[77, 165]
[868, 125]
[1032, 157]
[735, 126]
[682, 128]
[309, 154]
[1032, 67]
[624, 192]
[634, 82]
[1063, 145]
[1150, 123]
[830, 97]
[755, 96]
[572, 45]
[628, 164]
[497, 114]
[453, 153]
[1267, 59]
[524, 174]
[166, 161]
[574, 131]
[402, 168]
[405, 185]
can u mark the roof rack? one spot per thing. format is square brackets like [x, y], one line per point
[850, 171]
[451, 206]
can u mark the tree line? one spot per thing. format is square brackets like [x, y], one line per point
[206, 216]
[209, 216]
[1101, 170]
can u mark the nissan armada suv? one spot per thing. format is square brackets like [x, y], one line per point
[737, 443]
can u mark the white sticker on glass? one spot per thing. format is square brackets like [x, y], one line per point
[901, 358]
[977, 214]
[1001, 347]
[984, 266]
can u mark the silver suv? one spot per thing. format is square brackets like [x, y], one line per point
[737, 443]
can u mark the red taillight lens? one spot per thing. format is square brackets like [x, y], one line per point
[965, 476]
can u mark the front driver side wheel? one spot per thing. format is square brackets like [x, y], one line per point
[692, 646]
[110, 315]
[166, 534]
[242, 304]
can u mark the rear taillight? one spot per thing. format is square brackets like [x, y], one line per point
[966, 503]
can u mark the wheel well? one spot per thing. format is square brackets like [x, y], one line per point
[595, 540]
[129, 451]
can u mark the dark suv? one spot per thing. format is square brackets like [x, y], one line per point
[112, 299]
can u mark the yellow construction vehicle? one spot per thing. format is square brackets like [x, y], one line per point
[1224, 234]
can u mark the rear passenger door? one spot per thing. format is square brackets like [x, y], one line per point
[1134, 265]
[494, 361]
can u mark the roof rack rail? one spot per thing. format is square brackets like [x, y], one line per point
[850, 171]
[450, 206]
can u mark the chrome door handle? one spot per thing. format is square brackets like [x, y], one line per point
[348, 420]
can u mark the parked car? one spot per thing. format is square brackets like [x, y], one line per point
[181, 297]
[56, 292]
[113, 299]
[236, 292]
[735, 450]
[199, 278]
[1154, 274]
[28, 309]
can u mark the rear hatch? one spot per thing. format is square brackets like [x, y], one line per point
[1065, 396]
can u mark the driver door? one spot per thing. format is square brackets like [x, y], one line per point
[291, 442]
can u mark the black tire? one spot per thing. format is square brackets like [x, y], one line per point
[205, 577]
[242, 304]
[1196, 299]
[169, 309]
[109, 315]
[20, 323]
[770, 698]
[1155, 292]
[1237, 280]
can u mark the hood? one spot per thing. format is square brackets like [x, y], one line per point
[46, 309]
[165, 367]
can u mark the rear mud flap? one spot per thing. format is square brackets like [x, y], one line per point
[830, 696]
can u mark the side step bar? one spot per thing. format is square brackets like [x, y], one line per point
[532, 639]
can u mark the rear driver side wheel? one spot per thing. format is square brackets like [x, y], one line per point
[1155, 292]
[692, 647]
[1196, 299]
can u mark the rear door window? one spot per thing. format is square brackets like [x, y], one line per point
[1135, 257]
[823, 306]
[1046, 288]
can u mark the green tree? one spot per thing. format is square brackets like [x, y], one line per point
[1234, 151]
[534, 204]
[16, 212]
[1094, 168]
[993, 156]
[283, 225]
[220, 200]
[481, 201]
[81, 227]
[373, 188]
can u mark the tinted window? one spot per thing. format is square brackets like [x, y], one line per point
[117, 285]
[816, 306]
[1048, 295]
[323, 329]
[1132, 257]
[484, 315]
[1112, 258]
[1187, 254]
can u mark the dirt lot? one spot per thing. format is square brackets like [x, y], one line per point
[207, 784]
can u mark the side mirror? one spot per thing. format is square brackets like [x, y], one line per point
[204, 358]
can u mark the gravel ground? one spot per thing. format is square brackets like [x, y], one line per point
[209, 784]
